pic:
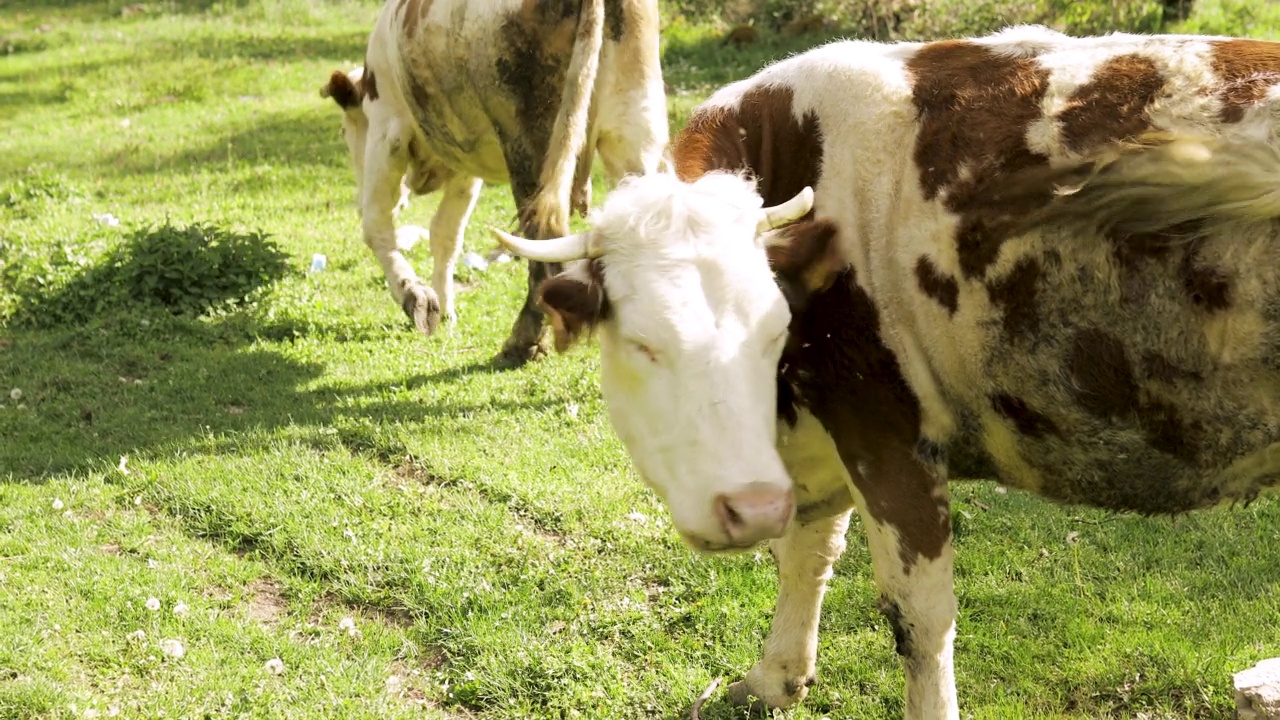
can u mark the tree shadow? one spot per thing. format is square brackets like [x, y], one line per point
[307, 136]
[88, 398]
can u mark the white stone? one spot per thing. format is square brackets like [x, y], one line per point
[1258, 691]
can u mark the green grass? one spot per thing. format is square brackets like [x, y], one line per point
[297, 455]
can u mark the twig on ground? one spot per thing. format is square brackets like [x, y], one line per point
[697, 704]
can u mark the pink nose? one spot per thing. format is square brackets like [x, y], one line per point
[759, 511]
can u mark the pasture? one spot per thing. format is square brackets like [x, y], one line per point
[261, 493]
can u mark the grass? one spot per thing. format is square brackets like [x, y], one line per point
[409, 532]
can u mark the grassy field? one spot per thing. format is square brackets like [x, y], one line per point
[296, 507]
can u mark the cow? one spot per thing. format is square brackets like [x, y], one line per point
[1046, 260]
[453, 94]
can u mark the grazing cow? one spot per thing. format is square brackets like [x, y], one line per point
[1048, 260]
[456, 93]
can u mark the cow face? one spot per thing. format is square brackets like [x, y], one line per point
[674, 280]
[347, 90]
[425, 174]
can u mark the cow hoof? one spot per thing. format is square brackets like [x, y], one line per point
[743, 694]
[423, 308]
[740, 694]
[516, 354]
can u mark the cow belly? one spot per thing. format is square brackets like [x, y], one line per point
[1143, 381]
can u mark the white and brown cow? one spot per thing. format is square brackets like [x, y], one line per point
[1047, 260]
[523, 92]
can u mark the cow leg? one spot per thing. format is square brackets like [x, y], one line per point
[529, 338]
[905, 508]
[447, 228]
[384, 166]
[804, 556]
[529, 334]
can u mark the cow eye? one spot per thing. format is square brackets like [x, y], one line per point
[643, 349]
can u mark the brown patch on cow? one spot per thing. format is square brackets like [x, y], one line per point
[539, 40]
[1156, 366]
[933, 283]
[1129, 249]
[901, 630]
[1105, 387]
[973, 109]
[1112, 105]
[1027, 421]
[411, 13]
[1246, 69]
[1165, 430]
[615, 19]
[761, 134]
[1015, 294]
[1207, 288]
[574, 305]
[1103, 383]
[838, 366]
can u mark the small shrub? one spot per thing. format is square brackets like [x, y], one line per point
[190, 271]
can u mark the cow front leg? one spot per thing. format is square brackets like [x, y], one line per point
[804, 556]
[905, 508]
[384, 166]
[529, 334]
[448, 226]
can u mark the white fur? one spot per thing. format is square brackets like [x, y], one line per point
[679, 365]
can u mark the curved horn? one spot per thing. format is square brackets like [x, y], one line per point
[561, 249]
[789, 211]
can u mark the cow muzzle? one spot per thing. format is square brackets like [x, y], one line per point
[760, 511]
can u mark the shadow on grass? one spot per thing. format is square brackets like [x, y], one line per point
[153, 345]
[95, 398]
[309, 136]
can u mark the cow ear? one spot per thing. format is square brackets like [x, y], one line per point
[805, 257]
[575, 301]
[342, 90]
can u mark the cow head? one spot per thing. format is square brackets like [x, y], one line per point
[347, 90]
[674, 280]
[350, 90]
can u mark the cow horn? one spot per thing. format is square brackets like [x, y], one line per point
[561, 249]
[789, 211]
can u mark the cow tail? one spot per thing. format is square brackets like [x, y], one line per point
[1168, 180]
[549, 209]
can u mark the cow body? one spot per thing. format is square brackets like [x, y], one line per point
[521, 92]
[1047, 260]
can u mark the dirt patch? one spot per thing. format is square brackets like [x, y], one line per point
[266, 605]
[411, 682]
[414, 471]
[393, 616]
